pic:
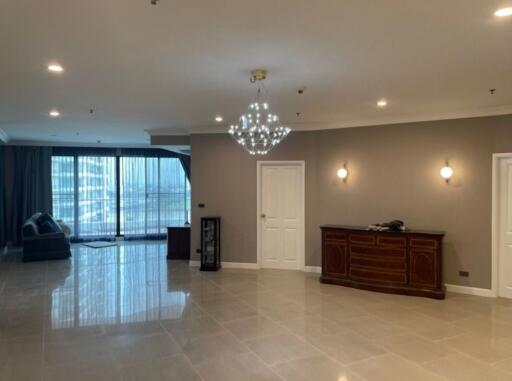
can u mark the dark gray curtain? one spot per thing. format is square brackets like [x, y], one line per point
[31, 186]
[3, 232]
[185, 163]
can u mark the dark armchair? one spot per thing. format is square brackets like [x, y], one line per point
[44, 239]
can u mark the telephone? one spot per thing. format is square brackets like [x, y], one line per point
[395, 225]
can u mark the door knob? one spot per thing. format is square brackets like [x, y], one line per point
[263, 215]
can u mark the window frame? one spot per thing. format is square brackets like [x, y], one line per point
[151, 153]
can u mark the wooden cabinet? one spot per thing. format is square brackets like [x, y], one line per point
[407, 262]
[178, 242]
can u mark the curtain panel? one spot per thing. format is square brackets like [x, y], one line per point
[3, 232]
[185, 163]
[28, 186]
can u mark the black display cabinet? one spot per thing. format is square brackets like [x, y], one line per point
[210, 243]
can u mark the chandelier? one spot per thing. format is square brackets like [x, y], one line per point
[258, 130]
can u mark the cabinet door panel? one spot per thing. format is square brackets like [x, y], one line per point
[423, 267]
[335, 259]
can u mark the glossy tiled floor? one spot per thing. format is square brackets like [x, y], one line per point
[125, 313]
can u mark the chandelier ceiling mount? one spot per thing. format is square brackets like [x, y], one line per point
[258, 130]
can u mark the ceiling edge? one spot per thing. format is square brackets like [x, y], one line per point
[315, 126]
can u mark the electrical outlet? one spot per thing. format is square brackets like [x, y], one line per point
[464, 273]
[200, 205]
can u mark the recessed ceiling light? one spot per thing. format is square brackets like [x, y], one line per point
[219, 118]
[54, 113]
[382, 103]
[55, 68]
[503, 12]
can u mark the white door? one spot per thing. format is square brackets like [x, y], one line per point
[505, 229]
[281, 190]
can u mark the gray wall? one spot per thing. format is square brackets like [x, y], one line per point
[393, 173]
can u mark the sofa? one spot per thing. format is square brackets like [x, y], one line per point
[43, 239]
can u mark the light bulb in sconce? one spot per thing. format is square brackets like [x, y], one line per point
[342, 173]
[446, 172]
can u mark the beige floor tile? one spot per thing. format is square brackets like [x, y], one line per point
[427, 327]
[138, 328]
[486, 326]
[280, 348]
[21, 323]
[459, 367]
[482, 347]
[172, 368]
[313, 325]
[390, 367]
[62, 315]
[101, 370]
[184, 331]
[70, 335]
[348, 347]
[21, 359]
[262, 299]
[132, 348]
[415, 348]
[315, 368]
[20, 369]
[245, 367]
[282, 312]
[213, 347]
[237, 288]
[504, 365]
[373, 328]
[87, 350]
[443, 311]
[229, 311]
[253, 327]
[337, 313]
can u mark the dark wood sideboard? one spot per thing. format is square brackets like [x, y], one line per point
[178, 242]
[407, 262]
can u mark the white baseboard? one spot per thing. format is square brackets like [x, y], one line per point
[470, 290]
[230, 265]
[253, 266]
[240, 265]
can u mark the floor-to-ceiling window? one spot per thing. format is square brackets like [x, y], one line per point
[97, 190]
[102, 196]
[63, 189]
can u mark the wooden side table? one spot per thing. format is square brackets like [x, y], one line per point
[178, 242]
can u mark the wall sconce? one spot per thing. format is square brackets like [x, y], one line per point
[446, 173]
[342, 173]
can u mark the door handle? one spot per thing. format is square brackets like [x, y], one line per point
[263, 215]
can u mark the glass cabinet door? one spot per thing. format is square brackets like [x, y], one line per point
[209, 232]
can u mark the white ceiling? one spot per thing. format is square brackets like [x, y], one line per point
[171, 68]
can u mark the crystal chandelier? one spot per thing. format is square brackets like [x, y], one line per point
[258, 131]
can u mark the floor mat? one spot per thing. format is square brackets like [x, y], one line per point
[99, 244]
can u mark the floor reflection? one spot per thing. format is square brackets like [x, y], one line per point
[120, 284]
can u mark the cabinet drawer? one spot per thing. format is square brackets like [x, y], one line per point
[366, 239]
[391, 241]
[375, 276]
[424, 242]
[334, 236]
[379, 252]
[377, 263]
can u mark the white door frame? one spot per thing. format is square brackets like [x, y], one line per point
[302, 224]
[496, 160]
